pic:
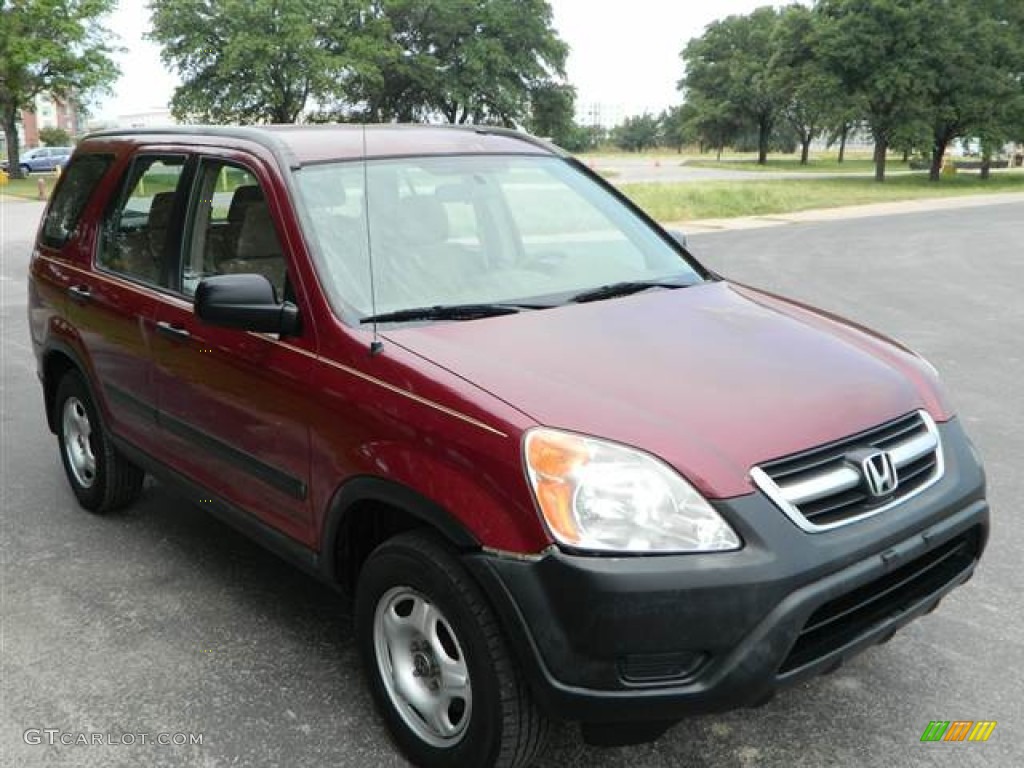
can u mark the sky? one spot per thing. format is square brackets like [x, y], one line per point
[622, 52]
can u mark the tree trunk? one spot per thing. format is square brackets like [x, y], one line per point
[720, 148]
[881, 147]
[986, 165]
[805, 148]
[906, 155]
[938, 151]
[13, 151]
[842, 141]
[763, 132]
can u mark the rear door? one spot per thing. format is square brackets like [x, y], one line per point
[233, 404]
[113, 305]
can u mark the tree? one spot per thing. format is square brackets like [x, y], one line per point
[56, 47]
[811, 91]
[251, 61]
[730, 69]
[717, 123]
[465, 60]
[877, 49]
[977, 57]
[844, 118]
[552, 112]
[678, 126]
[54, 137]
[637, 133]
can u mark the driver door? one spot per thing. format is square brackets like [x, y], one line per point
[233, 404]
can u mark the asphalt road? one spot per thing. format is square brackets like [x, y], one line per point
[163, 620]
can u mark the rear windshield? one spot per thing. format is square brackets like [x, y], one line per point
[474, 229]
[73, 192]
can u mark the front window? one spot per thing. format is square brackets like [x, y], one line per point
[483, 229]
[231, 229]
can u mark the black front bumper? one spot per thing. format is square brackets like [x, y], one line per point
[617, 639]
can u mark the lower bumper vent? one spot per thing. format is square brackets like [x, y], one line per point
[844, 619]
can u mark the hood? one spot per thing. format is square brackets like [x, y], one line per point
[713, 379]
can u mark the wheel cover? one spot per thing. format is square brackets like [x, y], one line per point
[422, 665]
[78, 443]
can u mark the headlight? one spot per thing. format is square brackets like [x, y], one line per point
[602, 496]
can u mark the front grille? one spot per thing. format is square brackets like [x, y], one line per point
[844, 619]
[826, 486]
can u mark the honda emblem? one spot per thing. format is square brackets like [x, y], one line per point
[879, 473]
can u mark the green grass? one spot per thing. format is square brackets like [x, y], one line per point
[727, 199]
[28, 188]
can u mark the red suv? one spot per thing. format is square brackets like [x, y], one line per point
[565, 471]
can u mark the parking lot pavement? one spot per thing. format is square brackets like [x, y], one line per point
[161, 620]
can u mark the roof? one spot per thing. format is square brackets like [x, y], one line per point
[304, 144]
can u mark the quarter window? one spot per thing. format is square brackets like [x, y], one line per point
[137, 236]
[73, 192]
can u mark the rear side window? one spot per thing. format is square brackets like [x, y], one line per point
[80, 179]
[137, 232]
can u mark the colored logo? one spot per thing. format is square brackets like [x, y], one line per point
[958, 730]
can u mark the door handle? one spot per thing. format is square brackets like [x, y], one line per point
[172, 331]
[80, 293]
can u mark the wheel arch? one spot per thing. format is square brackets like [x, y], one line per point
[58, 359]
[365, 511]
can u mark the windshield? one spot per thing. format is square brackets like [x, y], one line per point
[476, 230]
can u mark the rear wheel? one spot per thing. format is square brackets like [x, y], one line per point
[25, 170]
[102, 479]
[437, 665]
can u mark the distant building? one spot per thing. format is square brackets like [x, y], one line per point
[153, 118]
[48, 112]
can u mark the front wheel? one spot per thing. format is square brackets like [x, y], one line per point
[25, 170]
[437, 665]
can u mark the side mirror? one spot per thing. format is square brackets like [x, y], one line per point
[246, 302]
[679, 237]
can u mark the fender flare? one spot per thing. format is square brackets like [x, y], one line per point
[58, 346]
[367, 488]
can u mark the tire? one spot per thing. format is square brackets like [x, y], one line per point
[25, 170]
[411, 582]
[102, 479]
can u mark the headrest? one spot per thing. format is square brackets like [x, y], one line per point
[244, 197]
[160, 210]
[423, 220]
[257, 238]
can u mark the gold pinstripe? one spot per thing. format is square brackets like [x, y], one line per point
[351, 371]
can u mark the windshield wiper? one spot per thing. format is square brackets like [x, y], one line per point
[623, 289]
[446, 312]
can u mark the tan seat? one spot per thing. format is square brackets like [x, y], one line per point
[243, 198]
[156, 227]
[419, 252]
[140, 254]
[258, 250]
